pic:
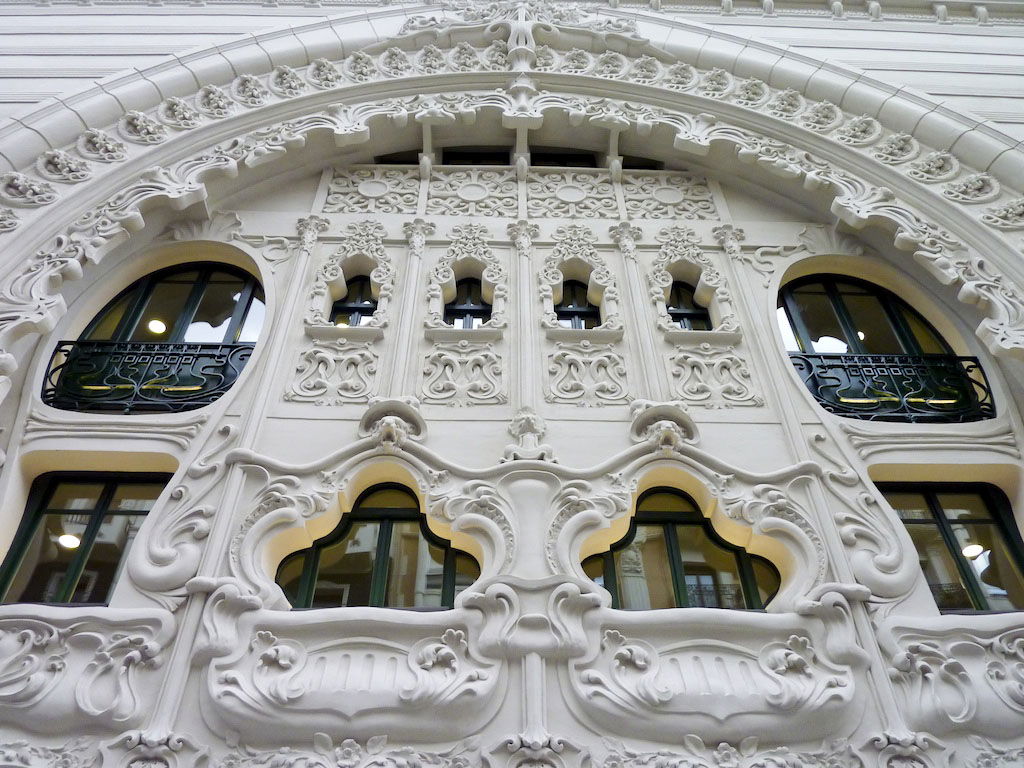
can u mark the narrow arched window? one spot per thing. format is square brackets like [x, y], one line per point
[672, 558]
[357, 306]
[381, 554]
[865, 353]
[575, 310]
[175, 340]
[468, 309]
[683, 308]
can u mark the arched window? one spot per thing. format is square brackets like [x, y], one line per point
[468, 309]
[175, 340]
[575, 310]
[381, 554]
[967, 543]
[864, 352]
[672, 558]
[358, 305]
[684, 310]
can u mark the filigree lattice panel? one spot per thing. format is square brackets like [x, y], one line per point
[571, 194]
[374, 190]
[667, 195]
[473, 192]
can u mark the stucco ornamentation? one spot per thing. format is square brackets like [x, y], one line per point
[468, 255]
[574, 250]
[334, 372]
[463, 373]
[712, 377]
[586, 374]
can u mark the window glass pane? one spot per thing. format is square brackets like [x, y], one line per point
[415, 568]
[47, 558]
[927, 339]
[785, 327]
[165, 305]
[643, 572]
[289, 575]
[105, 328]
[389, 498]
[106, 558]
[909, 506]
[998, 574]
[819, 317]
[593, 566]
[767, 577]
[964, 506]
[939, 568]
[873, 327]
[711, 573]
[135, 497]
[665, 502]
[75, 496]
[253, 323]
[213, 316]
[346, 567]
[467, 571]
[681, 297]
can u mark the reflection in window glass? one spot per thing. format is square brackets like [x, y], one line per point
[76, 556]
[381, 554]
[643, 573]
[967, 544]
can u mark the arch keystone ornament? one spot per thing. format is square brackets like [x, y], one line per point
[849, 666]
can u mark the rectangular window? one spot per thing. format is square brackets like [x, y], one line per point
[75, 536]
[967, 544]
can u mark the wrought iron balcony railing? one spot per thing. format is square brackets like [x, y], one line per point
[141, 377]
[914, 388]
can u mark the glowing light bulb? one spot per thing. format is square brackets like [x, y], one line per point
[69, 541]
[156, 326]
[860, 335]
[971, 551]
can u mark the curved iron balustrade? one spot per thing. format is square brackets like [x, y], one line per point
[899, 387]
[141, 377]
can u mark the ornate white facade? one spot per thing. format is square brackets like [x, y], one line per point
[526, 443]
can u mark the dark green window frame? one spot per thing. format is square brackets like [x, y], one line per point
[682, 307]
[892, 305]
[141, 291]
[670, 521]
[386, 517]
[575, 310]
[38, 507]
[358, 303]
[468, 305]
[1000, 519]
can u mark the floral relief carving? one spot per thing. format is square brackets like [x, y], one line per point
[667, 195]
[786, 104]
[571, 194]
[23, 191]
[822, 116]
[976, 188]
[100, 146]
[8, 220]
[712, 377]
[323, 74]
[1006, 216]
[363, 249]
[897, 148]
[140, 128]
[468, 245]
[77, 753]
[935, 166]
[178, 113]
[334, 373]
[586, 374]
[250, 91]
[374, 190]
[751, 92]
[351, 754]
[473, 192]
[679, 246]
[693, 753]
[214, 102]
[58, 165]
[717, 83]
[463, 373]
[285, 81]
[859, 131]
[575, 244]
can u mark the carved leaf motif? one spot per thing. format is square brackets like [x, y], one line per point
[712, 377]
[667, 195]
[571, 194]
[473, 192]
[586, 374]
[463, 373]
[334, 372]
[374, 190]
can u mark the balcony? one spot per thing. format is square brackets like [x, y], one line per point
[899, 387]
[141, 377]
